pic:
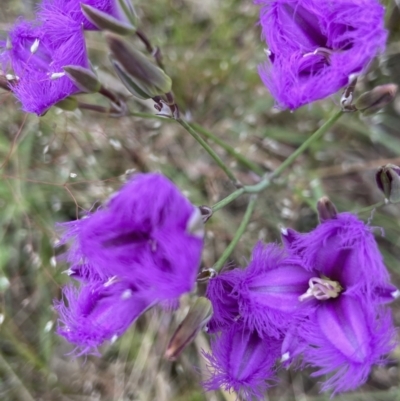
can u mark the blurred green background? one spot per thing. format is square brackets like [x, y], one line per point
[59, 165]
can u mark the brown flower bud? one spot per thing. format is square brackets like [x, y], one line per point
[388, 181]
[372, 101]
[141, 77]
[197, 317]
[85, 79]
[326, 209]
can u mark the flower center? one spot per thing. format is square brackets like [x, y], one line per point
[321, 289]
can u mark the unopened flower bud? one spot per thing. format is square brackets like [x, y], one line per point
[372, 101]
[206, 212]
[326, 209]
[141, 77]
[107, 22]
[205, 275]
[85, 79]
[68, 104]
[126, 11]
[388, 181]
[198, 316]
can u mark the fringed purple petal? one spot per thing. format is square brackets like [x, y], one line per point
[98, 312]
[288, 235]
[221, 292]
[350, 244]
[293, 345]
[243, 362]
[385, 294]
[38, 88]
[347, 337]
[270, 289]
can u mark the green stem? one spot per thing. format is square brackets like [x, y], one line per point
[230, 149]
[16, 385]
[246, 218]
[266, 181]
[209, 150]
[313, 138]
[371, 207]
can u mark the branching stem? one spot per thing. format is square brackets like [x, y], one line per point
[266, 181]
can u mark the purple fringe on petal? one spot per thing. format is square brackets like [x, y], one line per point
[243, 362]
[315, 46]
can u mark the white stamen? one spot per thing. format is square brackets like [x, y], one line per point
[321, 289]
[285, 357]
[35, 46]
[57, 75]
[284, 231]
[11, 77]
[114, 338]
[395, 294]
[126, 294]
[320, 51]
[110, 281]
[69, 272]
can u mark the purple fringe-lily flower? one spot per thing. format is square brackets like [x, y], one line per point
[38, 50]
[345, 338]
[147, 233]
[316, 46]
[36, 56]
[142, 248]
[350, 330]
[342, 248]
[243, 362]
[322, 298]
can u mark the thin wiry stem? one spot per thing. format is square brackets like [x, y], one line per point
[266, 181]
[230, 149]
[371, 207]
[210, 151]
[229, 249]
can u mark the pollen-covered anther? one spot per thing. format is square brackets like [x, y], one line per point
[321, 289]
